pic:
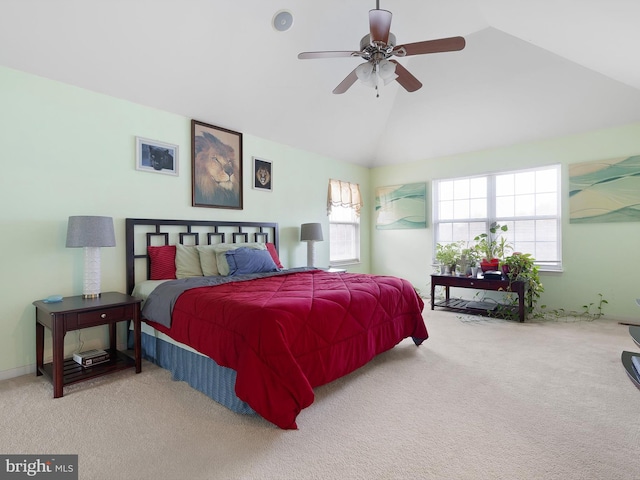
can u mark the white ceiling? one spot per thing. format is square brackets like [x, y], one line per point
[531, 69]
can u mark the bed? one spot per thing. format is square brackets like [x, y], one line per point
[253, 336]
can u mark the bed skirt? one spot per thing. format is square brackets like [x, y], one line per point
[200, 372]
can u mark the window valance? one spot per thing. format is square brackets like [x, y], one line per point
[344, 194]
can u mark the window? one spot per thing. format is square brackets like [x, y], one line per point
[526, 201]
[344, 233]
[343, 205]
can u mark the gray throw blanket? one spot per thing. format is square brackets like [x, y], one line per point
[158, 307]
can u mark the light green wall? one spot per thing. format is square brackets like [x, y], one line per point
[68, 151]
[598, 258]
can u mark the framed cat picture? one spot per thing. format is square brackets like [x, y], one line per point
[156, 157]
[262, 174]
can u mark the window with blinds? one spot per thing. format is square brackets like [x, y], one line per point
[343, 207]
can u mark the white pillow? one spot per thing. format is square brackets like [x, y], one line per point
[187, 261]
[222, 248]
[208, 261]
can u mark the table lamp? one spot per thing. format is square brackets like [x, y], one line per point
[91, 233]
[311, 233]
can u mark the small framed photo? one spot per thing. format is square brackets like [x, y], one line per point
[262, 174]
[157, 157]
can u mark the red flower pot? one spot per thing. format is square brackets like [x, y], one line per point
[489, 265]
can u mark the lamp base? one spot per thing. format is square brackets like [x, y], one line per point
[91, 280]
[311, 253]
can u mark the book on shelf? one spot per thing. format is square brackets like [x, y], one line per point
[91, 358]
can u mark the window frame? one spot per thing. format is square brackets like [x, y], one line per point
[491, 215]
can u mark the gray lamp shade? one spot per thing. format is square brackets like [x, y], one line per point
[87, 231]
[311, 232]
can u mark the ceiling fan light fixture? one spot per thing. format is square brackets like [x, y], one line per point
[365, 73]
[387, 81]
[387, 71]
[372, 75]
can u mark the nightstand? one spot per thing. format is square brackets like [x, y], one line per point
[75, 313]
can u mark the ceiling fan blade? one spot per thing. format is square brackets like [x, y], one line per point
[450, 44]
[379, 25]
[306, 55]
[346, 83]
[406, 79]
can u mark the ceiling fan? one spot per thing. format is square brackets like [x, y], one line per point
[378, 47]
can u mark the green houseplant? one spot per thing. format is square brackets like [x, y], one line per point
[469, 258]
[493, 246]
[447, 254]
[521, 267]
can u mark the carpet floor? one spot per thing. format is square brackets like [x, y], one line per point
[480, 399]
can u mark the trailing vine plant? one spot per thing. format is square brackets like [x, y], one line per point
[522, 267]
[587, 312]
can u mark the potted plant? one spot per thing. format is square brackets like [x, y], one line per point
[447, 255]
[468, 262]
[492, 246]
[522, 267]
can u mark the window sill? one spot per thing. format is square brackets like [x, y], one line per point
[547, 271]
[344, 264]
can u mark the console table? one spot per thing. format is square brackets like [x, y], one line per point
[448, 281]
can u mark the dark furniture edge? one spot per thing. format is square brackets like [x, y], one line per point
[634, 376]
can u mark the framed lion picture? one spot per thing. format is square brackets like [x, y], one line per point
[262, 174]
[216, 166]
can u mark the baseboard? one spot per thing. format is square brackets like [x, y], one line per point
[17, 372]
[31, 369]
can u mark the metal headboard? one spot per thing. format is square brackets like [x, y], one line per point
[144, 232]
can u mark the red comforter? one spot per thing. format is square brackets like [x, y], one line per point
[284, 335]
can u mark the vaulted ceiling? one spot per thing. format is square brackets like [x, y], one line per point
[530, 69]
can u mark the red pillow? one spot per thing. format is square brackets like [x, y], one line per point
[163, 262]
[274, 254]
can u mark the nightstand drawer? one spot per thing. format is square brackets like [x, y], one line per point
[100, 317]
